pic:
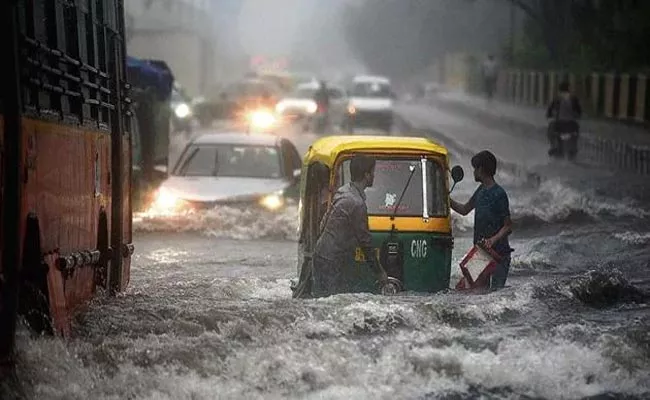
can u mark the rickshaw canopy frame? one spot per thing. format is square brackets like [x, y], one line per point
[327, 150]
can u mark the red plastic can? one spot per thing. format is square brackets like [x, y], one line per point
[478, 264]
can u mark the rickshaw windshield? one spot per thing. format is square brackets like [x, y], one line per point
[391, 176]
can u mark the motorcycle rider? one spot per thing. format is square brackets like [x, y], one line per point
[322, 100]
[564, 110]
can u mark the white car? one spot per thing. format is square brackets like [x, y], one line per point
[231, 168]
[300, 102]
[370, 103]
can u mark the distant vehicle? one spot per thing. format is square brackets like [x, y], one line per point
[243, 95]
[300, 103]
[370, 103]
[283, 80]
[235, 169]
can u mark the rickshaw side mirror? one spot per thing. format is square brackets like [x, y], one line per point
[457, 173]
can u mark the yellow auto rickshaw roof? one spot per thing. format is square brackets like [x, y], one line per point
[325, 150]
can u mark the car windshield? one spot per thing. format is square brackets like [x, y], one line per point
[391, 176]
[231, 161]
[371, 89]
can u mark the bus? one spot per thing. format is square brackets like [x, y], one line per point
[65, 162]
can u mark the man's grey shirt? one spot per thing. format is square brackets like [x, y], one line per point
[344, 227]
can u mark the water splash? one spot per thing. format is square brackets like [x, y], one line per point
[556, 202]
[225, 222]
[634, 238]
[603, 289]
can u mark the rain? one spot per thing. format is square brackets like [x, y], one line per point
[208, 312]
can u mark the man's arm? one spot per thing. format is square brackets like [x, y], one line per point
[463, 209]
[505, 230]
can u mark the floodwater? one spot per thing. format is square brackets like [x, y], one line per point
[209, 315]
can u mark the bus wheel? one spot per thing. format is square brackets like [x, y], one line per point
[33, 303]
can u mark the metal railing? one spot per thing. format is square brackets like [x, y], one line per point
[605, 95]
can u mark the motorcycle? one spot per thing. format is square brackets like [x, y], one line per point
[320, 120]
[564, 139]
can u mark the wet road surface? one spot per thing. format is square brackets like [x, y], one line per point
[209, 315]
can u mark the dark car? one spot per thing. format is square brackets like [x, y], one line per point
[237, 97]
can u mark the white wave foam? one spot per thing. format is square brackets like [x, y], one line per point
[530, 260]
[374, 316]
[462, 223]
[255, 288]
[635, 238]
[489, 307]
[552, 368]
[554, 201]
[412, 364]
[506, 178]
[225, 222]
[350, 313]
[314, 356]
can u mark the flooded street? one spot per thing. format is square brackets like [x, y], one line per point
[203, 114]
[209, 315]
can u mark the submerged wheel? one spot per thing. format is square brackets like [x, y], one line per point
[34, 303]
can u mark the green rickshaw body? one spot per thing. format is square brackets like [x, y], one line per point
[426, 268]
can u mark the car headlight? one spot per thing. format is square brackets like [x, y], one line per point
[272, 201]
[352, 109]
[165, 200]
[280, 107]
[262, 119]
[312, 107]
[182, 110]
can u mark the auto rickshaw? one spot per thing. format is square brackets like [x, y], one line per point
[408, 210]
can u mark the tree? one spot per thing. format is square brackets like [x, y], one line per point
[400, 37]
[589, 34]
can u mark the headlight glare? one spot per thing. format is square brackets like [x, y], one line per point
[262, 119]
[182, 110]
[272, 201]
[165, 200]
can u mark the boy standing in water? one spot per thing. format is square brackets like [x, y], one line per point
[492, 223]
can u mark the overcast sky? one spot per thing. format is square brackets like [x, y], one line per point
[272, 26]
